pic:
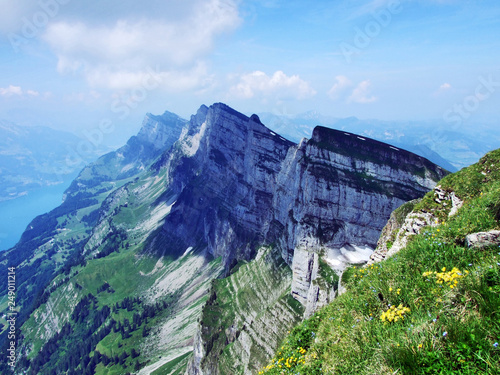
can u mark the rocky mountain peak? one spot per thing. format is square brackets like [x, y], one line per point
[160, 131]
[225, 174]
[241, 185]
[255, 118]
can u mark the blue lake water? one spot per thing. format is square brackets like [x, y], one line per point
[16, 214]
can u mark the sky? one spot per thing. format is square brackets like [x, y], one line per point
[96, 67]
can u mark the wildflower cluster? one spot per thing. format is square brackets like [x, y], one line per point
[287, 361]
[398, 291]
[363, 272]
[449, 278]
[393, 314]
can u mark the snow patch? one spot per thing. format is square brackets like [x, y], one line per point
[360, 254]
[363, 139]
[340, 258]
[394, 148]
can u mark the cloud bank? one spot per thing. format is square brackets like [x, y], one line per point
[118, 54]
[279, 85]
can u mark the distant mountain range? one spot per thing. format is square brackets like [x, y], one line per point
[434, 140]
[35, 157]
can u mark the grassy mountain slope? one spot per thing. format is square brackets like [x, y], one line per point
[93, 294]
[125, 308]
[248, 314]
[433, 308]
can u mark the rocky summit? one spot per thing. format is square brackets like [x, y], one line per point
[195, 247]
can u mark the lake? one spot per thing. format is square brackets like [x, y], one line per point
[16, 214]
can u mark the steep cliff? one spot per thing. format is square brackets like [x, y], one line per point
[146, 230]
[224, 170]
[334, 194]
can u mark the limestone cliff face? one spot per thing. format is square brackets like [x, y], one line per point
[224, 170]
[239, 186]
[334, 194]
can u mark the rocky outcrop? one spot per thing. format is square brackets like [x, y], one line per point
[448, 200]
[406, 222]
[483, 239]
[413, 224]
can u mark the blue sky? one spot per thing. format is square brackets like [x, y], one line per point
[71, 64]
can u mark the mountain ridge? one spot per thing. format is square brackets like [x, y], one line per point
[451, 148]
[192, 212]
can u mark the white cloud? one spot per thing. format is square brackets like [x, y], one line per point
[175, 79]
[11, 90]
[19, 92]
[443, 90]
[278, 85]
[118, 54]
[445, 86]
[361, 94]
[343, 83]
[344, 89]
